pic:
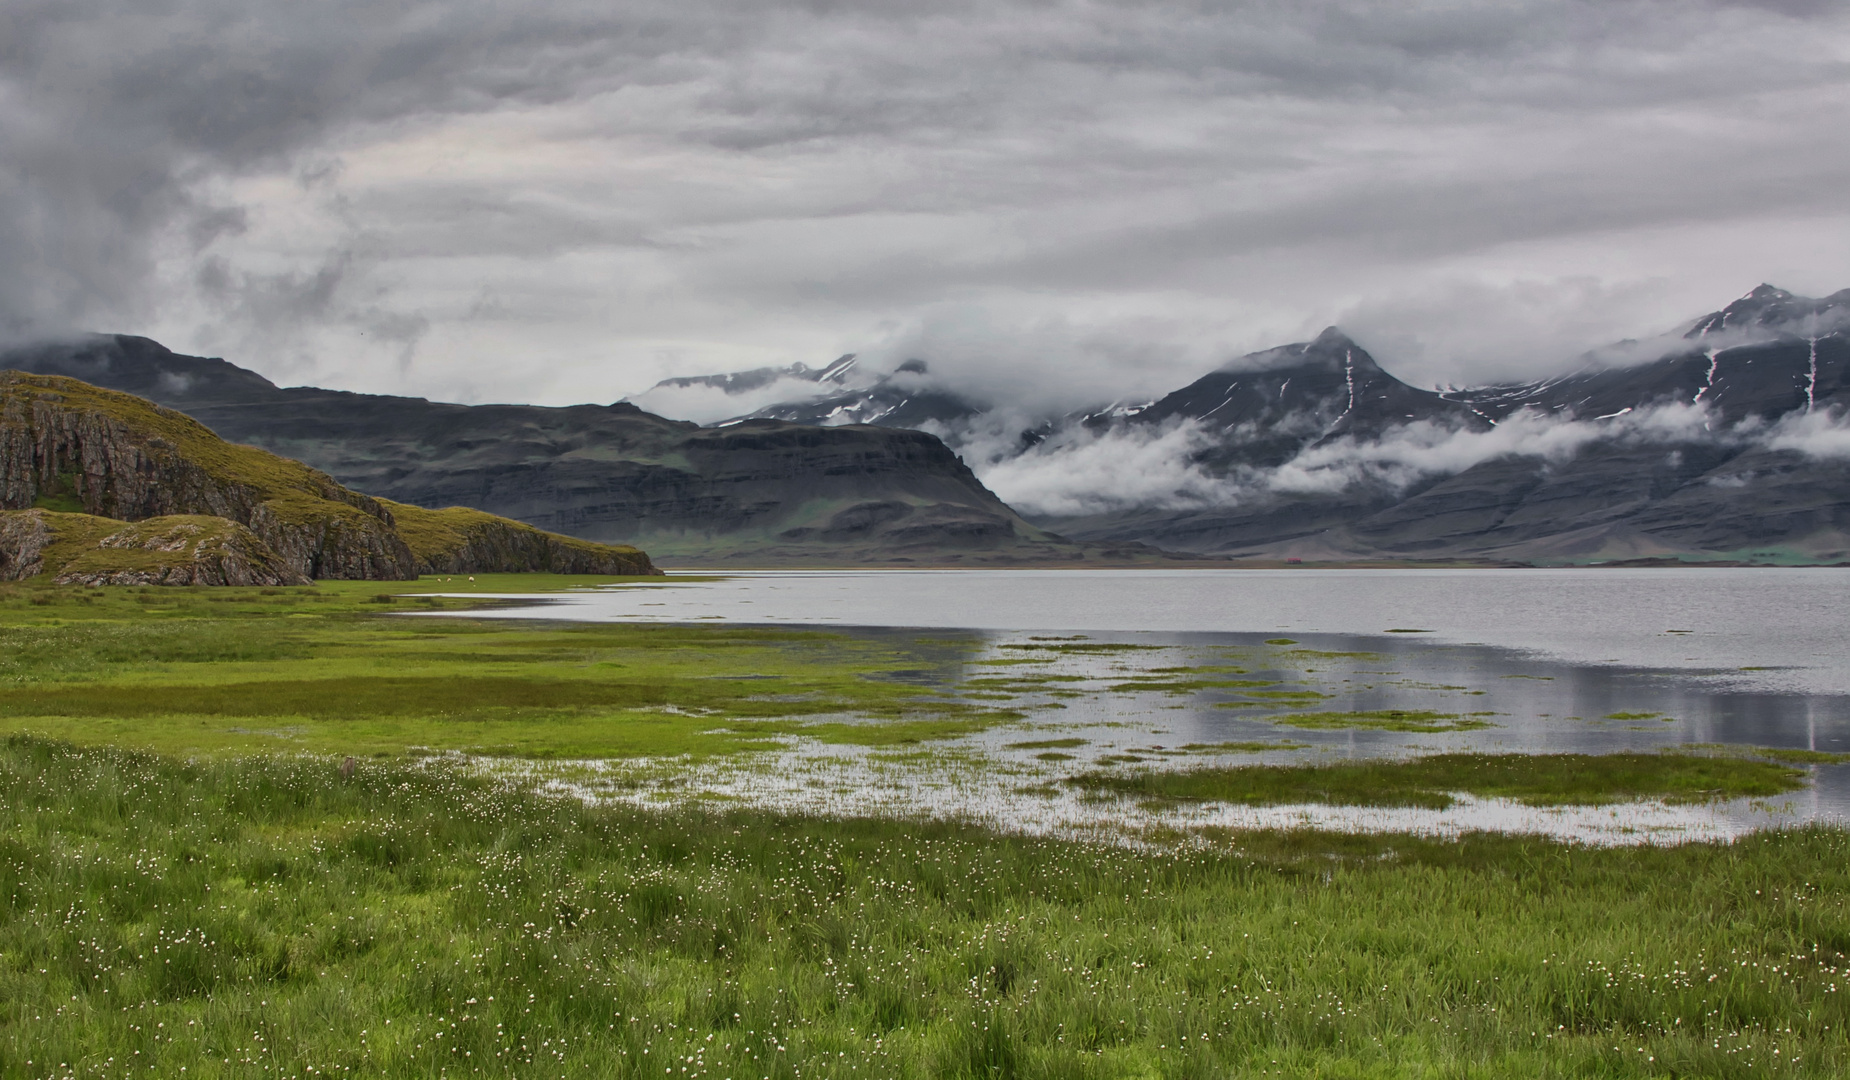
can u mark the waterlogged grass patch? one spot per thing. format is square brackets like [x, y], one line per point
[1047, 744]
[1020, 683]
[1802, 757]
[1789, 755]
[1083, 648]
[1148, 685]
[1632, 716]
[1411, 720]
[1242, 747]
[1431, 782]
[892, 732]
[328, 669]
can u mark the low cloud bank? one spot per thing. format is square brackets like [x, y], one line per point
[1822, 435]
[705, 404]
[1077, 472]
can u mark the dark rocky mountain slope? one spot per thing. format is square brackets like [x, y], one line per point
[1711, 444]
[1699, 450]
[760, 491]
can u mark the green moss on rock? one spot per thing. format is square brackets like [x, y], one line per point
[119, 456]
[460, 540]
[175, 549]
[91, 460]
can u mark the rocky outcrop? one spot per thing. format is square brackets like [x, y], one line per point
[179, 549]
[24, 535]
[69, 445]
[107, 488]
[458, 540]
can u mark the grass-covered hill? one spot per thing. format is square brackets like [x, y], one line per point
[79, 463]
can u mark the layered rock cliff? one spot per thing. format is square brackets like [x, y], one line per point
[206, 511]
[67, 445]
[175, 549]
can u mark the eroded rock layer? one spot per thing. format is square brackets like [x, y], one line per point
[123, 491]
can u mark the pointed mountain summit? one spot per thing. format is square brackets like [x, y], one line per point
[739, 382]
[1770, 308]
[1266, 407]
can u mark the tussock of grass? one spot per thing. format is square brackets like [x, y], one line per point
[1537, 780]
[1242, 747]
[275, 917]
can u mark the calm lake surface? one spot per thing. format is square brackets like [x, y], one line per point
[1533, 660]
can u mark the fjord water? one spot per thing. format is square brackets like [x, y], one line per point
[1537, 661]
[1776, 629]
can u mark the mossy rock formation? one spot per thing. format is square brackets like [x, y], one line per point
[459, 540]
[175, 549]
[209, 511]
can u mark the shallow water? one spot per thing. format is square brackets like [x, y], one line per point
[1772, 628]
[1546, 661]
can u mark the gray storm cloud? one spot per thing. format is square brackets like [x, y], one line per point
[562, 201]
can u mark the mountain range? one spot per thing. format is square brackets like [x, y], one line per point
[764, 491]
[1722, 441]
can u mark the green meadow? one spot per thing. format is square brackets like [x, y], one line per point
[264, 916]
[348, 668]
[249, 833]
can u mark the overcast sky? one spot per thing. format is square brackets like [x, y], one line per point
[557, 201]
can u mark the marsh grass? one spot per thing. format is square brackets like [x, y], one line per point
[327, 669]
[1430, 782]
[1787, 754]
[1409, 720]
[266, 916]
[1242, 746]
